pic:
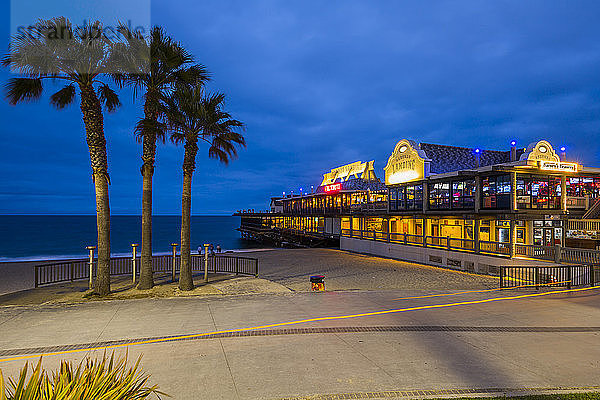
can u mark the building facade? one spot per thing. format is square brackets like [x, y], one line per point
[451, 206]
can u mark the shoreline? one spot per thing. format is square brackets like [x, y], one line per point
[68, 257]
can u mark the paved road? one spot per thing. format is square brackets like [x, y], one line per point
[527, 342]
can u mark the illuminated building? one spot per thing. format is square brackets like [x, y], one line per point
[447, 205]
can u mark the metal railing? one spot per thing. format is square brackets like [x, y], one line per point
[557, 275]
[69, 271]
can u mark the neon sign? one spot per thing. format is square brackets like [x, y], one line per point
[334, 187]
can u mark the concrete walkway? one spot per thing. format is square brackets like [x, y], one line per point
[543, 342]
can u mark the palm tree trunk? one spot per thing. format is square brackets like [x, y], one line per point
[185, 275]
[146, 273]
[189, 160]
[148, 157]
[94, 128]
[102, 286]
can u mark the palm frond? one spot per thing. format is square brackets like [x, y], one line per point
[23, 89]
[109, 98]
[193, 75]
[63, 97]
[146, 126]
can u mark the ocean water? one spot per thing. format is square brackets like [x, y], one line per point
[38, 237]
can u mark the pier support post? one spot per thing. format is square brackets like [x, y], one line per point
[206, 246]
[174, 245]
[91, 264]
[133, 260]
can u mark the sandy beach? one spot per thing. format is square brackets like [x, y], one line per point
[15, 276]
[293, 267]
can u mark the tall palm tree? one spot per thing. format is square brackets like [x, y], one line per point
[79, 58]
[194, 116]
[157, 66]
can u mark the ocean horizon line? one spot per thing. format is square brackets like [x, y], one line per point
[115, 215]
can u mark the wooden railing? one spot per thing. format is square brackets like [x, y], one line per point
[577, 202]
[447, 243]
[546, 253]
[69, 271]
[580, 256]
[583, 225]
[535, 251]
[494, 247]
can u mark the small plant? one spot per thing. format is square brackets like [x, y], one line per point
[105, 379]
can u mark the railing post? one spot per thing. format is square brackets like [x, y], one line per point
[569, 275]
[537, 278]
[476, 233]
[133, 261]
[448, 243]
[72, 271]
[501, 277]
[174, 245]
[236, 266]
[91, 263]
[557, 254]
[592, 277]
[256, 275]
[424, 241]
[37, 275]
[206, 246]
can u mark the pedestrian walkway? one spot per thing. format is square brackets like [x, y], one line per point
[529, 342]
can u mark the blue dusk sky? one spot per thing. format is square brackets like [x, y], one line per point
[320, 84]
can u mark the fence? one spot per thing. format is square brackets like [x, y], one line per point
[557, 275]
[69, 271]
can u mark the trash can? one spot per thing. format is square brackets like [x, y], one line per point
[317, 283]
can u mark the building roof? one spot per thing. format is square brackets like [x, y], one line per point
[452, 158]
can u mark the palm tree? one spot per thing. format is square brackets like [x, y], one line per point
[159, 64]
[79, 57]
[192, 116]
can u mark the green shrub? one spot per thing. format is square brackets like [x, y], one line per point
[105, 379]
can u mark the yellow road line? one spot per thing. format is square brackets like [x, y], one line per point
[368, 314]
[476, 291]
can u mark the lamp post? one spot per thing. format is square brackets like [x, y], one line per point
[91, 263]
[174, 245]
[206, 246]
[133, 260]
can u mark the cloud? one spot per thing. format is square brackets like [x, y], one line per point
[323, 84]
